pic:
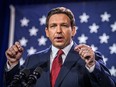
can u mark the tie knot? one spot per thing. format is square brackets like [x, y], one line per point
[60, 52]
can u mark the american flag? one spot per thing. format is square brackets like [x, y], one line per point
[95, 23]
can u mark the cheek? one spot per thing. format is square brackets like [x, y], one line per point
[51, 35]
[68, 34]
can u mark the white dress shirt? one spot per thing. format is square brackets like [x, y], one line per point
[65, 50]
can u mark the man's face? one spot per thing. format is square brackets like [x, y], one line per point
[59, 30]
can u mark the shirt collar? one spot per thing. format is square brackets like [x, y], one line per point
[65, 50]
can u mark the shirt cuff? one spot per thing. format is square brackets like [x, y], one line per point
[91, 69]
[8, 67]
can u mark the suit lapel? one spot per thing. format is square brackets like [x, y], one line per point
[71, 59]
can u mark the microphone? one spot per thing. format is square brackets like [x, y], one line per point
[18, 78]
[34, 76]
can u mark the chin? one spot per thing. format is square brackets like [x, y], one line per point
[59, 45]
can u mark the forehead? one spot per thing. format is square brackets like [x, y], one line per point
[59, 18]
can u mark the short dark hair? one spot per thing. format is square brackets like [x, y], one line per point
[61, 10]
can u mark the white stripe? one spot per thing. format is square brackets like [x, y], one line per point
[12, 25]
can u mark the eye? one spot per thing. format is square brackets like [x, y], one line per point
[53, 26]
[65, 25]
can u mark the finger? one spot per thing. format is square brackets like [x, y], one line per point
[85, 53]
[82, 51]
[78, 47]
[86, 56]
[12, 51]
[20, 48]
[15, 48]
[12, 60]
[9, 53]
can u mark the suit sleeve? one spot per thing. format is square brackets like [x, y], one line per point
[8, 75]
[101, 76]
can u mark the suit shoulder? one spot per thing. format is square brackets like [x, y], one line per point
[37, 58]
[42, 52]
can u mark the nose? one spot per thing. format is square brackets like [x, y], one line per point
[59, 30]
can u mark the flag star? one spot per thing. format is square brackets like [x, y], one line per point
[22, 61]
[82, 38]
[104, 38]
[105, 16]
[24, 22]
[113, 26]
[33, 31]
[93, 47]
[42, 40]
[42, 20]
[104, 59]
[31, 51]
[113, 71]
[84, 18]
[93, 28]
[23, 41]
[113, 49]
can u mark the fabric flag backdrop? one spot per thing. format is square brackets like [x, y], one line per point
[95, 23]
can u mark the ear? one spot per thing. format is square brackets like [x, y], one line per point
[73, 31]
[47, 32]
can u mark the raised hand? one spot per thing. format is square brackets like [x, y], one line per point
[14, 53]
[86, 53]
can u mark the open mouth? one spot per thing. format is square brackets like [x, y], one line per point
[59, 39]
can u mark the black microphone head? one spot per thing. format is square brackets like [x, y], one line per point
[25, 72]
[38, 70]
[33, 77]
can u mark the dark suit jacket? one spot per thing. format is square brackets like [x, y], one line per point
[73, 72]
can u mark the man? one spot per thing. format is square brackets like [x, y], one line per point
[65, 64]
